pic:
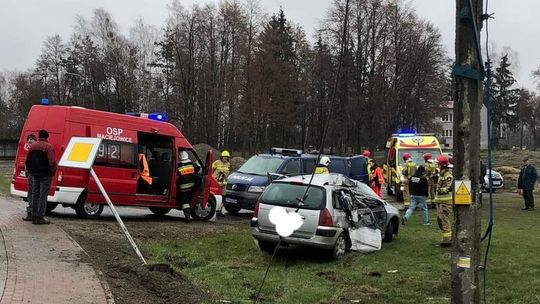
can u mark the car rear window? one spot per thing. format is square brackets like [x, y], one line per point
[288, 195]
[259, 165]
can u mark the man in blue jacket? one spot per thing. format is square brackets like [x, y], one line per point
[527, 179]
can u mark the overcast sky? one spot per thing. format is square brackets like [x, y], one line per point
[24, 24]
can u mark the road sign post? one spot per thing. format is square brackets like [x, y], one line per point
[81, 153]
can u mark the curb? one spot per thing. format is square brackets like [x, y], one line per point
[101, 277]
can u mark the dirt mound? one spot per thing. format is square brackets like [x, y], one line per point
[202, 148]
[237, 162]
[507, 170]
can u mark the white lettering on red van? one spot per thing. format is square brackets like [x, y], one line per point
[114, 134]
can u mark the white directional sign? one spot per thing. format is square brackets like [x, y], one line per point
[80, 152]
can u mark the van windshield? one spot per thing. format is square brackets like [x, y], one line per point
[417, 155]
[287, 195]
[260, 165]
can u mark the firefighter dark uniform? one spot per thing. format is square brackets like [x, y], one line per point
[409, 169]
[185, 184]
[443, 199]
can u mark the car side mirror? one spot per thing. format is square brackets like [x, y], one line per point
[274, 176]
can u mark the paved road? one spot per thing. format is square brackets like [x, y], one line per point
[42, 264]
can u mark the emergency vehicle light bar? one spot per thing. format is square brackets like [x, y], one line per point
[153, 116]
[284, 151]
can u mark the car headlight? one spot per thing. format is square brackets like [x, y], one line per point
[256, 189]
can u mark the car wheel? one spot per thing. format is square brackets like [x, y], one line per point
[340, 247]
[389, 232]
[159, 211]
[232, 209]
[266, 246]
[204, 214]
[86, 209]
[50, 207]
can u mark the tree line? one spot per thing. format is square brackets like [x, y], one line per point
[228, 75]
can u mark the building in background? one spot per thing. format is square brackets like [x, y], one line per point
[446, 133]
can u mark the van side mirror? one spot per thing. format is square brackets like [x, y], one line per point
[274, 176]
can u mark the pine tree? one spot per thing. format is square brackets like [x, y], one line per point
[505, 99]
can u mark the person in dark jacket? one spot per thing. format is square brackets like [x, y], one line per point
[31, 138]
[41, 164]
[419, 191]
[527, 179]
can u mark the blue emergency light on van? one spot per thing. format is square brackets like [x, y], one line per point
[157, 116]
[246, 185]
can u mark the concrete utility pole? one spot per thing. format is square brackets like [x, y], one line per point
[468, 75]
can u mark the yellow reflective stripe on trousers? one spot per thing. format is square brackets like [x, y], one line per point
[447, 234]
[186, 186]
[446, 199]
[186, 206]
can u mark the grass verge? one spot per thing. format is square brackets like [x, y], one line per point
[412, 269]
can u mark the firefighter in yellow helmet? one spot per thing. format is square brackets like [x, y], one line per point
[221, 169]
[322, 167]
[443, 199]
[409, 169]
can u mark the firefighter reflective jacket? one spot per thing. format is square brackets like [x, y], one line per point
[409, 168]
[445, 187]
[186, 176]
[144, 172]
[431, 169]
[321, 170]
[221, 171]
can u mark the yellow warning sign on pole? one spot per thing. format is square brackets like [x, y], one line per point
[462, 192]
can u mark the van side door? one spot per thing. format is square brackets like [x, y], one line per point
[206, 179]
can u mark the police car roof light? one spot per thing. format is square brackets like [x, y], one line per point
[283, 151]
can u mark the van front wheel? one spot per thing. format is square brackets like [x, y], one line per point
[86, 209]
[204, 214]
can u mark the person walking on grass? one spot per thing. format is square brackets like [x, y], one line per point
[419, 190]
[527, 179]
[41, 163]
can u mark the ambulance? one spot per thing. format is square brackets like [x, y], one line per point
[127, 140]
[415, 144]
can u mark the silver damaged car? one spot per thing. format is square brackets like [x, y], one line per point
[333, 204]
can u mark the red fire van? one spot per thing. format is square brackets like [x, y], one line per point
[126, 138]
